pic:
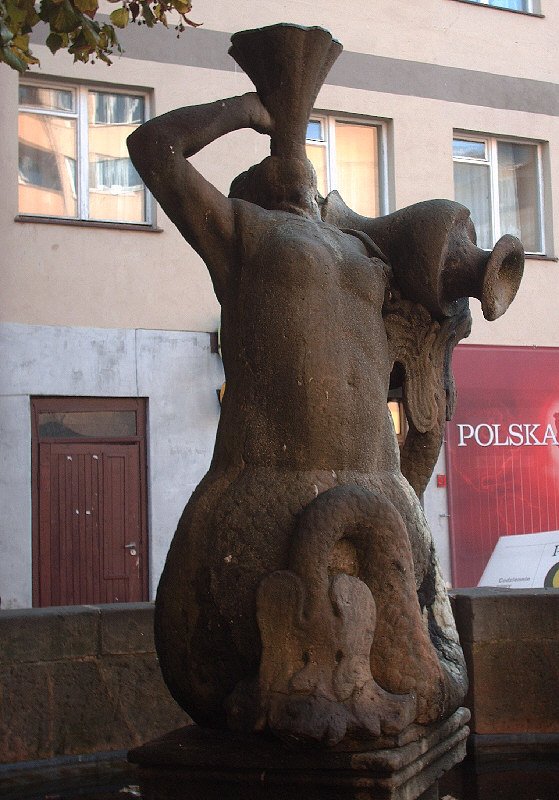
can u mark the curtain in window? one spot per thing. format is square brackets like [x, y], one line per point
[117, 173]
[357, 167]
[472, 188]
[117, 109]
[518, 199]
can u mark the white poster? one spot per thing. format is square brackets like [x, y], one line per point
[524, 561]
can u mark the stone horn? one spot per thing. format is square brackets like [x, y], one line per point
[431, 247]
[288, 65]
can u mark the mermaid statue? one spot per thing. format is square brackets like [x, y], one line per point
[301, 594]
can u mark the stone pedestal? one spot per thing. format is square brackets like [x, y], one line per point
[194, 763]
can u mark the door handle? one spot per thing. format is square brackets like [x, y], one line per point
[130, 546]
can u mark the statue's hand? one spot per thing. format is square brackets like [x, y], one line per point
[259, 117]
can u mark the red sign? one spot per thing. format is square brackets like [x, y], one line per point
[502, 451]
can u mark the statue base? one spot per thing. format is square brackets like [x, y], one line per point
[198, 763]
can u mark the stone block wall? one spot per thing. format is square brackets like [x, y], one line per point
[511, 644]
[85, 679]
[81, 679]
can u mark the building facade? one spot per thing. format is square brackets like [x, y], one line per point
[110, 360]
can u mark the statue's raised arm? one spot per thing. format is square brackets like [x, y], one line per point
[160, 150]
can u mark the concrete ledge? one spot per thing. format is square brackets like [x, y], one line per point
[81, 679]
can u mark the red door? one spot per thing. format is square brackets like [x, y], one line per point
[90, 542]
[90, 533]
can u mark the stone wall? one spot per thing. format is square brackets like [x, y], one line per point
[86, 679]
[511, 644]
[81, 679]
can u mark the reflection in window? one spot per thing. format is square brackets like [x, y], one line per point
[39, 168]
[346, 156]
[92, 424]
[49, 99]
[88, 178]
[529, 6]
[499, 181]
[111, 173]
[47, 144]
[117, 109]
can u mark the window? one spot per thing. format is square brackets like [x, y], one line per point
[500, 182]
[348, 155]
[528, 6]
[73, 161]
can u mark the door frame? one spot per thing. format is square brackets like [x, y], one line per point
[72, 404]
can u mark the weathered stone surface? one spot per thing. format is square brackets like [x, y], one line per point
[393, 773]
[26, 721]
[511, 646]
[488, 615]
[62, 694]
[322, 311]
[126, 629]
[48, 634]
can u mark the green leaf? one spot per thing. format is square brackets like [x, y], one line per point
[181, 6]
[54, 42]
[45, 10]
[20, 42]
[12, 60]
[119, 17]
[103, 57]
[91, 35]
[15, 14]
[64, 19]
[148, 15]
[6, 35]
[89, 7]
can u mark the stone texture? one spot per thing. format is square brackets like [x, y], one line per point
[126, 628]
[401, 773]
[26, 714]
[487, 614]
[80, 680]
[511, 646]
[49, 634]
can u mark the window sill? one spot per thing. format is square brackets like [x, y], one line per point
[539, 257]
[496, 8]
[88, 223]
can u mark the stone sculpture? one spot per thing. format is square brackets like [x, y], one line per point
[301, 593]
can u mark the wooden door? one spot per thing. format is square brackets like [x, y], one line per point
[90, 540]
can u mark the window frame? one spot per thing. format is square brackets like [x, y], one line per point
[80, 114]
[328, 120]
[491, 143]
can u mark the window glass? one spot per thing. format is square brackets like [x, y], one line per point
[314, 131]
[345, 155]
[499, 181]
[47, 158]
[89, 176]
[472, 188]
[464, 148]
[518, 195]
[91, 424]
[43, 97]
[116, 109]
[513, 5]
[116, 191]
[357, 167]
